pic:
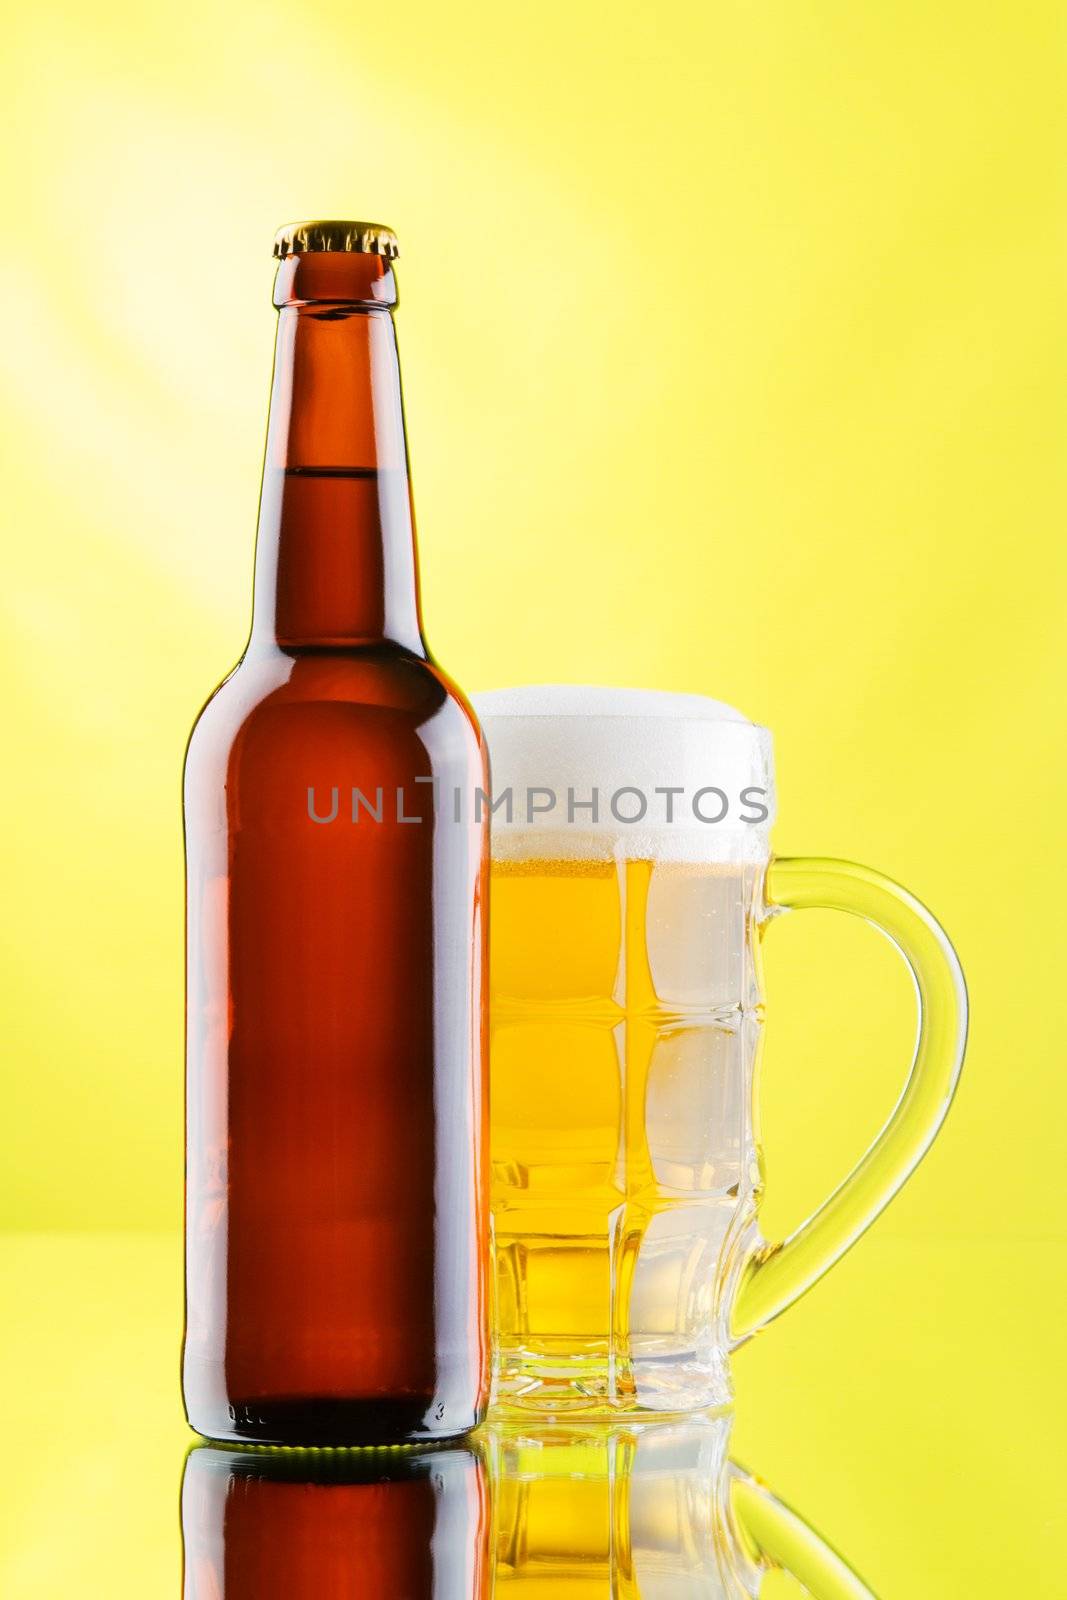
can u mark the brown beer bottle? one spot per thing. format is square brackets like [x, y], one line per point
[336, 1206]
[384, 1524]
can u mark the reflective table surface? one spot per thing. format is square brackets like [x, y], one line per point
[899, 1434]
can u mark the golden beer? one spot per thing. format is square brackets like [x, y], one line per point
[624, 1015]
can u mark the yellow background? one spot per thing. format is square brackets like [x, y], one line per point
[733, 344]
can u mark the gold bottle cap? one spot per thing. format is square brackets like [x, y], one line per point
[368, 238]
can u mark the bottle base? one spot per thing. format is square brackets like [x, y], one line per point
[333, 1423]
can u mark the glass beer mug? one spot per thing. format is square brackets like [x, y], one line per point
[632, 882]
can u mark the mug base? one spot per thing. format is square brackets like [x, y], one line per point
[652, 1383]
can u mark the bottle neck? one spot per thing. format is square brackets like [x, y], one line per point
[335, 550]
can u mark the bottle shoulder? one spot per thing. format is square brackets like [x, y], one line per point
[311, 697]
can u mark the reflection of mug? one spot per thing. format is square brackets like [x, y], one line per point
[631, 883]
[395, 1521]
[652, 1512]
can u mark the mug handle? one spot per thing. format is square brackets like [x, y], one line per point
[777, 1539]
[777, 1274]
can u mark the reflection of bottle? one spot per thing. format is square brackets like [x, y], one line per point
[336, 1212]
[386, 1524]
[645, 1512]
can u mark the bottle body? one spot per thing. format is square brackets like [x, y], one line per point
[336, 1210]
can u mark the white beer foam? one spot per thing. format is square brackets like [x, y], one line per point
[569, 739]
